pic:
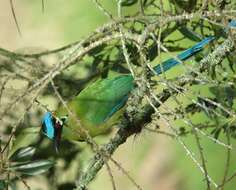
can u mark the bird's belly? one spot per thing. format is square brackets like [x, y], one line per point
[77, 129]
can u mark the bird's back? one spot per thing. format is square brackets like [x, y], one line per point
[98, 106]
[99, 101]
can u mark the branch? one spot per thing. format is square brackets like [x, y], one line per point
[127, 129]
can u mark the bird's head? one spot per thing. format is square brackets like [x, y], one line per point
[52, 127]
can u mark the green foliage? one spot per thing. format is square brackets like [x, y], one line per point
[21, 164]
[26, 137]
[204, 102]
[128, 2]
[23, 154]
[32, 168]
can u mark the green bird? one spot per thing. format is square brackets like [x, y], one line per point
[99, 106]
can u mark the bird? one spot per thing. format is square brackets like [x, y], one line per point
[99, 105]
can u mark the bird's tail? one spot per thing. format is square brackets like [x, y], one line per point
[169, 63]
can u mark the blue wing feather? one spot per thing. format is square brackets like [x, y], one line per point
[117, 107]
[48, 124]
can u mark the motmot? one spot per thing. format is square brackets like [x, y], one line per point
[99, 105]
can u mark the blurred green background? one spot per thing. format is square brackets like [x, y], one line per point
[155, 161]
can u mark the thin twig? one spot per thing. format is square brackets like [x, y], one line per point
[14, 16]
[111, 176]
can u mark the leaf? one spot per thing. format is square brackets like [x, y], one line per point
[187, 5]
[216, 132]
[189, 34]
[23, 154]
[33, 168]
[25, 138]
[2, 184]
[10, 184]
[97, 50]
[146, 2]
[126, 3]
[152, 52]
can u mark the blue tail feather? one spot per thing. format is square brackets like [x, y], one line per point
[168, 64]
